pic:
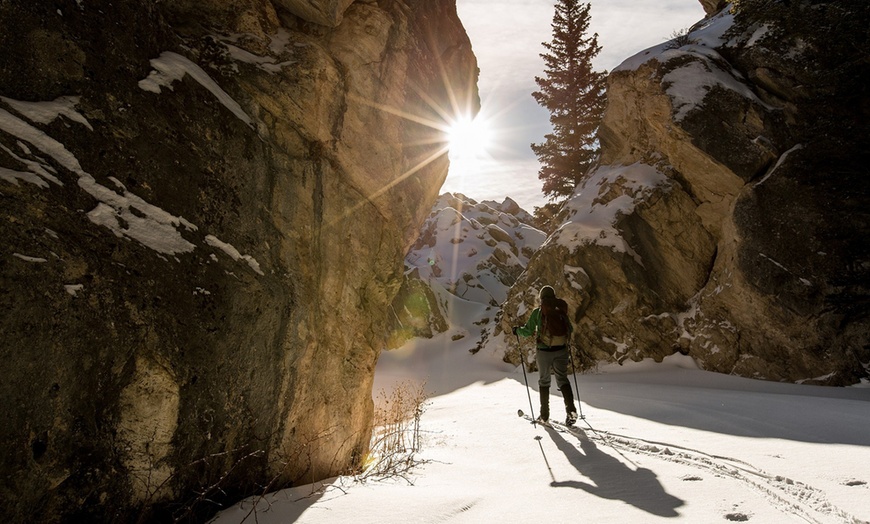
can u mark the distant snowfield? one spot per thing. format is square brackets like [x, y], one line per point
[670, 443]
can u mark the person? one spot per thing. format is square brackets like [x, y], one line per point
[549, 323]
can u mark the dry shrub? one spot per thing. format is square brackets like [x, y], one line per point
[396, 436]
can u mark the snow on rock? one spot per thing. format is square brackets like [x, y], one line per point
[27, 258]
[608, 193]
[467, 251]
[233, 253]
[702, 69]
[705, 36]
[12, 176]
[73, 289]
[47, 112]
[170, 67]
[278, 47]
[124, 213]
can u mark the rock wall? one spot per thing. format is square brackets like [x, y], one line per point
[723, 220]
[205, 210]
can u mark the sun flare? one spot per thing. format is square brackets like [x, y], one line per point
[468, 138]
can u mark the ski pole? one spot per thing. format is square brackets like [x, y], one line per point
[576, 386]
[525, 379]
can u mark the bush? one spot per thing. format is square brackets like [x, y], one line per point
[396, 436]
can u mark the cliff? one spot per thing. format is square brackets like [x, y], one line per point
[205, 210]
[727, 218]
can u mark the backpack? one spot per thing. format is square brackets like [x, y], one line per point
[555, 326]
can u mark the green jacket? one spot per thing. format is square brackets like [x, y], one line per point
[534, 326]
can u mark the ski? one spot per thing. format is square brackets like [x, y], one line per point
[574, 430]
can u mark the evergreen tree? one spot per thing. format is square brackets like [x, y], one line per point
[575, 96]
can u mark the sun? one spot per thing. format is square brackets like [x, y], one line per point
[468, 138]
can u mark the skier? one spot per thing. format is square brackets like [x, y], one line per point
[549, 321]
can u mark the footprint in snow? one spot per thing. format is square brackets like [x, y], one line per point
[737, 517]
[855, 483]
[691, 478]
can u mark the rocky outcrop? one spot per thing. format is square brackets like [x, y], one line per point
[723, 220]
[205, 210]
[467, 252]
[711, 7]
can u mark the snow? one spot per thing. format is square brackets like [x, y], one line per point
[124, 213]
[670, 443]
[660, 442]
[779, 162]
[609, 191]
[28, 258]
[689, 84]
[73, 289]
[46, 112]
[233, 253]
[170, 67]
[12, 176]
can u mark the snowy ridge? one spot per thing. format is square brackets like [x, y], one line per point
[689, 84]
[473, 250]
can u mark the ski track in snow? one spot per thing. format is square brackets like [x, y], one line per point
[787, 495]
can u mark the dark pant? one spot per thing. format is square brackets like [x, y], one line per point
[554, 362]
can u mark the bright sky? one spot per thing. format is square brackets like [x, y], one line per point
[506, 36]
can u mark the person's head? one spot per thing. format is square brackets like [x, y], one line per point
[547, 292]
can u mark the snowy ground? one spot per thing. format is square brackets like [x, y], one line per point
[670, 442]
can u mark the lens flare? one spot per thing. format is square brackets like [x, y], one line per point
[468, 138]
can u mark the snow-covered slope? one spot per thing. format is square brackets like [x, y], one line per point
[466, 259]
[475, 250]
[670, 443]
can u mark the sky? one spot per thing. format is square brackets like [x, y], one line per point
[506, 36]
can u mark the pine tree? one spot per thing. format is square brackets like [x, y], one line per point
[575, 96]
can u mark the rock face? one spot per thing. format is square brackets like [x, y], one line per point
[205, 210]
[724, 220]
[711, 7]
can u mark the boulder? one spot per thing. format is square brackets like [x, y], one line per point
[202, 237]
[723, 220]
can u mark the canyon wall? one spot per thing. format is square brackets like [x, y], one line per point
[205, 210]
